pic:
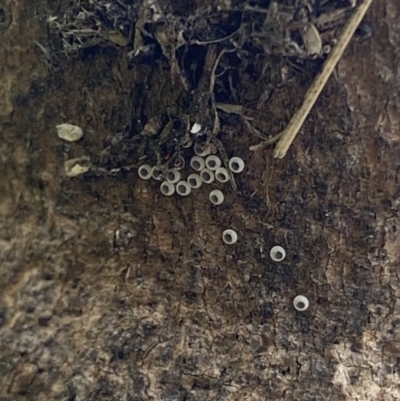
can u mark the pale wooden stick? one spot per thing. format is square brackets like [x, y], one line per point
[319, 82]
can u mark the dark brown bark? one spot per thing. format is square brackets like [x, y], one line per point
[109, 291]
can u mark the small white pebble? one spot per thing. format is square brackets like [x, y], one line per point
[277, 253]
[69, 132]
[229, 237]
[301, 303]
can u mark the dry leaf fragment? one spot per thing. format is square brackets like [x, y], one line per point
[312, 39]
[69, 132]
[78, 166]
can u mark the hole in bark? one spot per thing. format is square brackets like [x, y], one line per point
[47, 276]
[2, 316]
[3, 16]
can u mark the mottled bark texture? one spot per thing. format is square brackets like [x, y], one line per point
[109, 291]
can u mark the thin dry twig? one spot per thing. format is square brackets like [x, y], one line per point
[210, 42]
[288, 135]
[267, 142]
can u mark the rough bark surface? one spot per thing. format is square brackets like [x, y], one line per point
[109, 291]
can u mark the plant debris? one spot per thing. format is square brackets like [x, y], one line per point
[315, 89]
[77, 166]
[69, 132]
[211, 51]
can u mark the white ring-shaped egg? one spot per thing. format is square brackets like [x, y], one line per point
[188, 144]
[194, 181]
[300, 303]
[236, 164]
[207, 176]
[216, 197]
[277, 253]
[157, 173]
[213, 162]
[201, 150]
[167, 188]
[183, 188]
[173, 175]
[229, 237]
[144, 172]
[179, 163]
[221, 174]
[197, 163]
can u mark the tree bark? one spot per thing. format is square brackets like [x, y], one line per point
[110, 291]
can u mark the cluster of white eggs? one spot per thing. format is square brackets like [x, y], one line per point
[206, 171]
